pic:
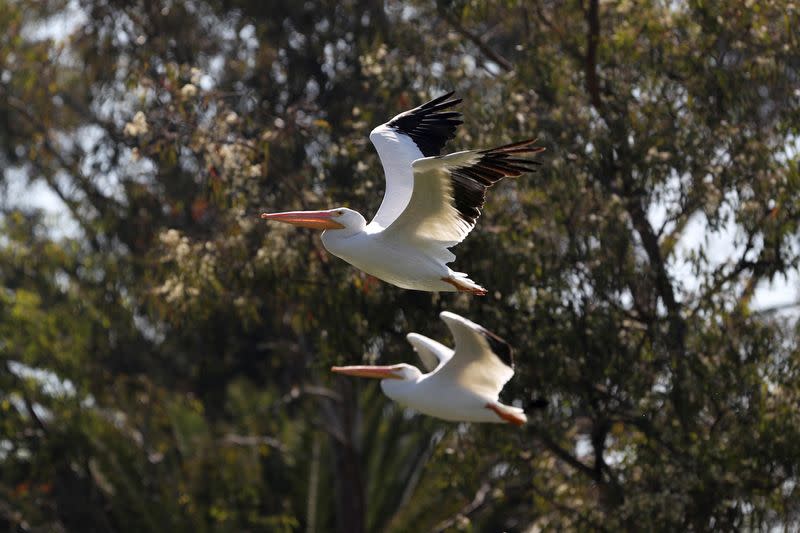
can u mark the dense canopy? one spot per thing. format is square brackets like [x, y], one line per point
[165, 355]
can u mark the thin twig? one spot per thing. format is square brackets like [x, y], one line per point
[567, 457]
[485, 49]
[477, 502]
[254, 440]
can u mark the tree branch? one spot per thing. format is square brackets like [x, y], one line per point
[477, 502]
[29, 405]
[651, 247]
[777, 308]
[592, 40]
[567, 457]
[254, 440]
[477, 41]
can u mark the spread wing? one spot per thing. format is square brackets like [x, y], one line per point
[414, 134]
[450, 190]
[433, 354]
[483, 362]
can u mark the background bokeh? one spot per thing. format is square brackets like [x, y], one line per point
[164, 354]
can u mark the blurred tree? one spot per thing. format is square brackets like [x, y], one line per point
[164, 355]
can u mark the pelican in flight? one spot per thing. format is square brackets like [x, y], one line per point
[431, 201]
[460, 386]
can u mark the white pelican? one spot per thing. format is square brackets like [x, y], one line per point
[431, 202]
[461, 386]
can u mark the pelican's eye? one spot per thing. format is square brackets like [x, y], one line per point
[340, 212]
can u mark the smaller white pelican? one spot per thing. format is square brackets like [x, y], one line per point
[460, 386]
[430, 205]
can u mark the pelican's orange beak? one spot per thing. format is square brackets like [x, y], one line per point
[305, 219]
[379, 372]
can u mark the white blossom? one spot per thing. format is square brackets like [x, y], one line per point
[189, 90]
[171, 237]
[196, 75]
[137, 126]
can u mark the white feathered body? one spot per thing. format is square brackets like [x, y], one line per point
[443, 399]
[409, 266]
[461, 384]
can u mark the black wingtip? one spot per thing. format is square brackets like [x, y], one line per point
[470, 182]
[430, 125]
[442, 101]
[499, 347]
[442, 97]
[519, 147]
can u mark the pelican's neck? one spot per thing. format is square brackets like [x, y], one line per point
[340, 242]
[336, 234]
[400, 390]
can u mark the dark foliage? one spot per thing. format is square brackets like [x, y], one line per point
[164, 355]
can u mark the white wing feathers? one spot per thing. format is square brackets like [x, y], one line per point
[431, 213]
[417, 133]
[432, 354]
[396, 151]
[450, 190]
[483, 362]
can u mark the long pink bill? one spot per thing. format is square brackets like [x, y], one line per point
[378, 372]
[305, 219]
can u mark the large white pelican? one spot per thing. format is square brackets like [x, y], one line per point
[461, 386]
[431, 202]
